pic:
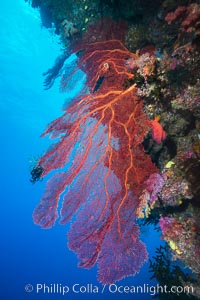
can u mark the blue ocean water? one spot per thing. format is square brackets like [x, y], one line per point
[30, 255]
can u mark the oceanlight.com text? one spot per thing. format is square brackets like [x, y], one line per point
[89, 288]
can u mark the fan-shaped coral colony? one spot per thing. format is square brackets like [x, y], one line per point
[128, 145]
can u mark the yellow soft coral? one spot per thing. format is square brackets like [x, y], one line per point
[174, 247]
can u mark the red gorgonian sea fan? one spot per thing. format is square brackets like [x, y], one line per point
[101, 166]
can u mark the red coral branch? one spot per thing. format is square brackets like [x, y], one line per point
[189, 16]
[100, 137]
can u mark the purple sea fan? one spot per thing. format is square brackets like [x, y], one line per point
[100, 166]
